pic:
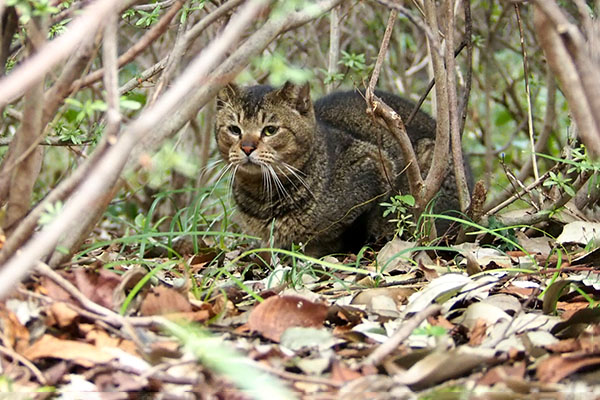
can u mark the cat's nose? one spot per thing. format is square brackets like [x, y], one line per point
[248, 147]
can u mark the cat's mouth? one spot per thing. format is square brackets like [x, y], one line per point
[250, 165]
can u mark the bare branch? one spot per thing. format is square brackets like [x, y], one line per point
[144, 76]
[334, 44]
[569, 59]
[81, 227]
[54, 96]
[455, 133]
[437, 171]
[27, 154]
[173, 60]
[390, 119]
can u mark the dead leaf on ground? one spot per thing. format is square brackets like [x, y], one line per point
[12, 330]
[385, 300]
[101, 339]
[478, 332]
[163, 300]
[441, 365]
[502, 372]
[84, 354]
[61, 314]
[274, 315]
[394, 255]
[98, 286]
[556, 368]
[580, 232]
[342, 373]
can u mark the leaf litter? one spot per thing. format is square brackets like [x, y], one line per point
[401, 323]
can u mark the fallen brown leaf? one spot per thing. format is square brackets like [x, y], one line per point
[501, 373]
[556, 368]
[62, 314]
[12, 330]
[98, 286]
[84, 354]
[163, 300]
[478, 332]
[100, 338]
[341, 373]
[274, 315]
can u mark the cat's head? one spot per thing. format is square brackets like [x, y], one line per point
[260, 128]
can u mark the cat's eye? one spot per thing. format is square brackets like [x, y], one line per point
[270, 130]
[235, 130]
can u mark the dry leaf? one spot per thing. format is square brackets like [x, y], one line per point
[102, 339]
[62, 314]
[97, 286]
[342, 373]
[84, 354]
[163, 300]
[556, 368]
[12, 330]
[274, 315]
[478, 332]
[501, 373]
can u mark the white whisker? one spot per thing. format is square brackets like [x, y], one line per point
[280, 187]
[230, 190]
[296, 173]
[222, 172]
[266, 182]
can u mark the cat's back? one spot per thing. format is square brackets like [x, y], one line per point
[346, 110]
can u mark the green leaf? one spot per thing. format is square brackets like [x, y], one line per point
[408, 199]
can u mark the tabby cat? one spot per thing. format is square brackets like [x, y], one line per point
[316, 174]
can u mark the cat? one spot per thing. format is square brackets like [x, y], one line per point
[316, 174]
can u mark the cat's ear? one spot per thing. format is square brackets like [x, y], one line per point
[227, 94]
[296, 95]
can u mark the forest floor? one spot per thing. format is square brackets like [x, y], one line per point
[467, 321]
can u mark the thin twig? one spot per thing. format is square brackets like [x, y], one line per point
[144, 76]
[173, 60]
[391, 120]
[51, 141]
[468, 40]
[536, 173]
[39, 375]
[430, 85]
[290, 376]
[152, 6]
[407, 327]
[113, 318]
[157, 30]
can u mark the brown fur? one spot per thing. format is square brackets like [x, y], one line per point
[316, 174]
